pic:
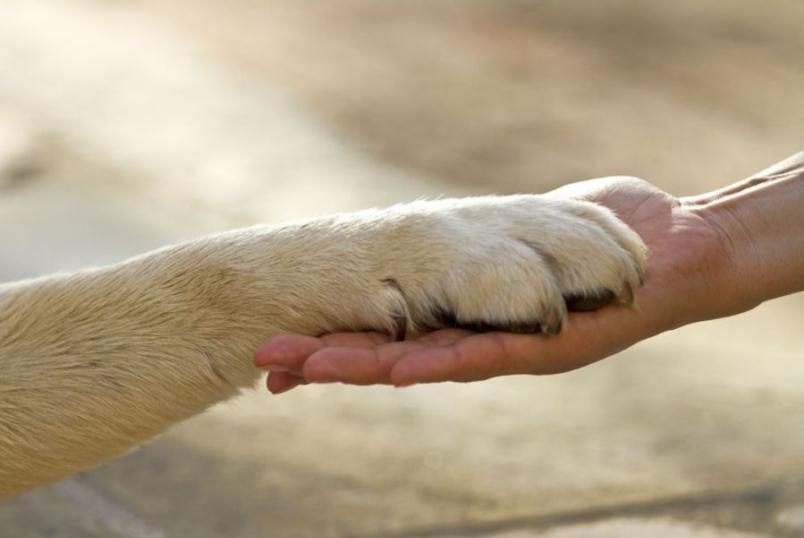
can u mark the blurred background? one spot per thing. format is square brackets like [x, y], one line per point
[126, 125]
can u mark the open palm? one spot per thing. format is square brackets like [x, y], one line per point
[681, 285]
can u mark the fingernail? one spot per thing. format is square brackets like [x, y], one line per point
[282, 390]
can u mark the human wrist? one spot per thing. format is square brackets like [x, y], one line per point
[761, 225]
[732, 280]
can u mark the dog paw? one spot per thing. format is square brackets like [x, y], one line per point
[515, 263]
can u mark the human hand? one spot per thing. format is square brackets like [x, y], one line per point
[684, 283]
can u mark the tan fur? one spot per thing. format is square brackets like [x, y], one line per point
[95, 362]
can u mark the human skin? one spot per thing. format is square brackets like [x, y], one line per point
[711, 255]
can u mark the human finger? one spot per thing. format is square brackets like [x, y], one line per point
[279, 382]
[287, 352]
[368, 364]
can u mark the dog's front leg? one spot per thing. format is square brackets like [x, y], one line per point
[95, 362]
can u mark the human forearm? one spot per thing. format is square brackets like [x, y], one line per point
[762, 222]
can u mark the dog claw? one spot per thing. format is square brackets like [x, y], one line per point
[400, 329]
[627, 294]
[551, 325]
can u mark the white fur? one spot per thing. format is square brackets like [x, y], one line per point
[95, 362]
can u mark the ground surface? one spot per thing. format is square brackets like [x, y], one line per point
[127, 125]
